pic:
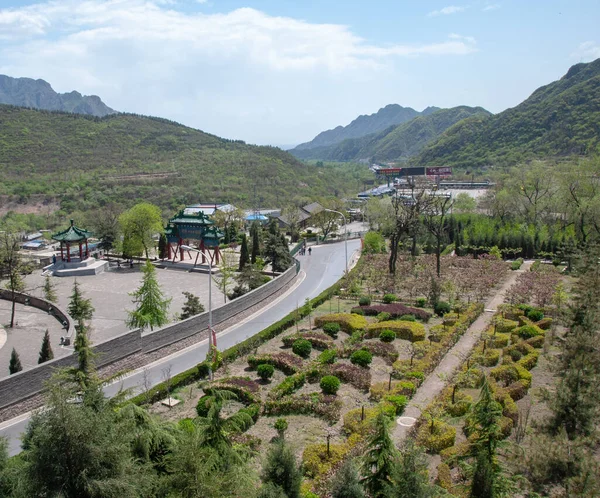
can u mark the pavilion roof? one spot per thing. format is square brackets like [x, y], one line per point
[197, 218]
[72, 234]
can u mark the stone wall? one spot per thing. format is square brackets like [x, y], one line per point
[41, 304]
[24, 384]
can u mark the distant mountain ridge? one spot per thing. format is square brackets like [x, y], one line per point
[38, 94]
[395, 143]
[558, 119]
[390, 115]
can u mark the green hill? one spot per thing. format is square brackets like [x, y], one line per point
[396, 143]
[559, 119]
[86, 162]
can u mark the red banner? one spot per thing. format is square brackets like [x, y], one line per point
[439, 171]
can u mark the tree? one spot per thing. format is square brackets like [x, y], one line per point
[49, 290]
[227, 271]
[14, 364]
[291, 214]
[255, 234]
[80, 308]
[139, 225]
[327, 221]
[277, 252]
[151, 305]
[82, 450]
[464, 203]
[380, 459]
[434, 219]
[281, 469]
[162, 246]
[346, 482]
[244, 255]
[410, 475]
[11, 266]
[46, 352]
[85, 357]
[192, 306]
[105, 225]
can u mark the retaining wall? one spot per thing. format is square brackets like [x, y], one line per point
[22, 385]
[41, 304]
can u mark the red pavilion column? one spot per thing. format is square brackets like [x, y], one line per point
[87, 251]
[80, 252]
[62, 258]
[68, 252]
[168, 250]
[180, 250]
[203, 249]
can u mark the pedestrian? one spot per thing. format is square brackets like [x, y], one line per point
[54, 259]
[309, 251]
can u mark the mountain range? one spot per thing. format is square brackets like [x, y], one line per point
[395, 143]
[389, 115]
[38, 94]
[558, 119]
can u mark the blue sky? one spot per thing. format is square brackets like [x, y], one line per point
[279, 72]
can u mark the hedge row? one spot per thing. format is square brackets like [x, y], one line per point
[396, 310]
[348, 322]
[409, 331]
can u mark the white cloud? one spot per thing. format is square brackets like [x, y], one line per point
[587, 51]
[201, 69]
[452, 9]
[492, 6]
[468, 39]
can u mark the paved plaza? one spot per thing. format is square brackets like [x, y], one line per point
[109, 294]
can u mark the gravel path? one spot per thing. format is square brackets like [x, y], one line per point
[436, 381]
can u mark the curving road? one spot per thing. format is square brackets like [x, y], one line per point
[318, 272]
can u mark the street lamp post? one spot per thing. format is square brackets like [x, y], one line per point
[346, 234]
[210, 323]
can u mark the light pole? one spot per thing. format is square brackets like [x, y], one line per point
[346, 235]
[210, 323]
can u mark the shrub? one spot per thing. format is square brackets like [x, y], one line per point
[544, 323]
[288, 386]
[243, 387]
[528, 331]
[516, 264]
[356, 376]
[441, 308]
[364, 301]
[362, 358]
[390, 298]
[348, 322]
[444, 476]
[317, 462]
[490, 358]
[325, 406]
[515, 355]
[302, 347]
[506, 426]
[330, 384]
[442, 436]
[385, 350]
[407, 318]
[280, 425]
[411, 331]
[499, 340]
[537, 341]
[535, 315]
[287, 363]
[265, 371]
[517, 390]
[253, 410]
[421, 302]
[357, 311]
[505, 374]
[524, 374]
[404, 388]
[383, 316]
[331, 329]
[328, 356]
[505, 326]
[387, 335]
[459, 408]
[395, 310]
[202, 406]
[398, 401]
[450, 319]
[529, 361]
[318, 340]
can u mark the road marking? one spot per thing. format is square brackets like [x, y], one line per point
[406, 421]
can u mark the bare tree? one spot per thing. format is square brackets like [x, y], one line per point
[434, 219]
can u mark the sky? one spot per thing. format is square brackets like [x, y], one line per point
[280, 71]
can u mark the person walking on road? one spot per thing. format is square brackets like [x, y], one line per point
[309, 251]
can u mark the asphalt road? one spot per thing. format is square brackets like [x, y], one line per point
[320, 270]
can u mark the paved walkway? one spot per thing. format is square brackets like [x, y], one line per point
[436, 381]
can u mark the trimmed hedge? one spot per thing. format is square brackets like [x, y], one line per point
[328, 356]
[396, 310]
[348, 322]
[318, 340]
[506, 326]
[409, 331]
[302, 347]
[288, 363]
[289, 385]
[390, 298]
[387, 335]
[244, 388]
[404, 388]
[351, 374]
[362, 357]
[332, 329]
[442, 436]
[325, 406]
[398, 401]
[265, 371]
[330, 384]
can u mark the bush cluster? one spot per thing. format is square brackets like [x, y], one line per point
[364, 301]
[403, 387]
[348, 322]
[410, 331]
[244, 388]
[302, 347]
[421, 302]
[396, 310]
[387, 335]
[362, 357]
[442, 436]
[328, 356]
[390, 298]
[441, 308]
[332, 329]
[398, 401]
[288, 386]
[318, 340]
[330, 384]
[325, 406]
[356, 376]
[265, 371]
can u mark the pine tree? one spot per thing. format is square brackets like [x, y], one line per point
[192, 306]
[84, 352]
[152, 307]
[255, 233]
[14, 365]
[346, 482]
[410, 474]
[46, 352]
[49, 292]
[244, 256]
[162, 246]
[282, 470]
[80, 308]
[380, 459]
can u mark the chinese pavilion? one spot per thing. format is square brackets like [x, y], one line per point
[70, 236]
[187, 226]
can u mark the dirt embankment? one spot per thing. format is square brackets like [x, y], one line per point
[34, 204]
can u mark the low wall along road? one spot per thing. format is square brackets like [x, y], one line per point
[22, 385]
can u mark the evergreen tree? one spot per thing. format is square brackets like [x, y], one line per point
[255, 234]
[162, 246]
[380, 459]
[346, 482]
[244, 256]
[14, 364]
[152, 307]
[281, 469]
[410, 474]
[80, 308]
[192, 306]
[49, 290]
[46, 352]
[85, 356]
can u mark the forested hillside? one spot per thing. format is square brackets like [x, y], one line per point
[396, 143]
[559, 119]
[86, 162]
